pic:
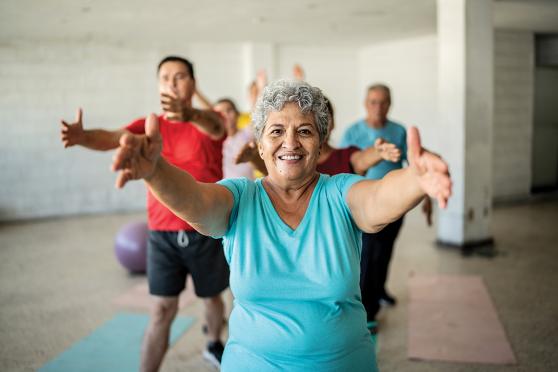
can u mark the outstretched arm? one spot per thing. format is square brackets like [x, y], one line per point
[203, 101]
[374, 204]
[73, 134]
[367, 158]
[208, 121]
[205, 206]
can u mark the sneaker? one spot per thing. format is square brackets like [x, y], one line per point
[213, 353]
[387, 300]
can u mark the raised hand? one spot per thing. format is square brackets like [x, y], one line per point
[72, 133]
[388, 151]
[137, 155]
[430, 169]
[261, 80]
[172, 105]
[298, 72]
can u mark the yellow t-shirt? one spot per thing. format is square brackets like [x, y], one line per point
[244, 120]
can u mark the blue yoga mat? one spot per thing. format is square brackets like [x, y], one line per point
[115, 346]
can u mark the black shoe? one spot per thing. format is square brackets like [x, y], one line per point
[214, 352]
[387, 300]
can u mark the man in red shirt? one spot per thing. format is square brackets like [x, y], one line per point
[192, 140]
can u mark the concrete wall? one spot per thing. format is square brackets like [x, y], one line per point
[115, 83]
[45, 81]
[513, 114]
[409, 68]
[545, 129]
[332, 69]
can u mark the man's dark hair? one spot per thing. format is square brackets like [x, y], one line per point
[229, 101]
[184, 61]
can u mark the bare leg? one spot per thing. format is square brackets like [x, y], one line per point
[156, 338]
[214, 316]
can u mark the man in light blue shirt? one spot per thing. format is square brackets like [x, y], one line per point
[376, 129]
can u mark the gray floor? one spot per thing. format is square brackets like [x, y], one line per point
[58, 279]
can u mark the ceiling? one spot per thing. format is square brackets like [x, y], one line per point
[288, 21]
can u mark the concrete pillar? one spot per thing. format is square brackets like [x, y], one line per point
[465, 102]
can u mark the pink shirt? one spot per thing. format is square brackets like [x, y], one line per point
[231, 147]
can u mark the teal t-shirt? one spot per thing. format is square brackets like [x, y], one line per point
[297, 301]
[363, 136]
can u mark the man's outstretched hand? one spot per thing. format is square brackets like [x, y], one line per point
[72, 133]
[430, 169]
[137, 155]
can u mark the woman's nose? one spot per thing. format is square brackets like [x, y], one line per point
[291, 140]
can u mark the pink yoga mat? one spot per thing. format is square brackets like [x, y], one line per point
[452, 318]
[138, 298]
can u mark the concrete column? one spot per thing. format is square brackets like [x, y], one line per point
[465, 101]
[258, 56]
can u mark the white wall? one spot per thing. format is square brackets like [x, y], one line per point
[334, 70]
[45, 81]
[513, 114]
[409, 68]
[114, 83]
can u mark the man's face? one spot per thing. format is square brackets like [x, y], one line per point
[377, 106]
[174, 77]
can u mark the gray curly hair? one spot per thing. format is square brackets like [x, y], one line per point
[281, 92]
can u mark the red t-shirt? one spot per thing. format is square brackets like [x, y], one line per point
[339, 161]
[186, 147]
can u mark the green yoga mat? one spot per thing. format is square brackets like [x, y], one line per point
[115, 346]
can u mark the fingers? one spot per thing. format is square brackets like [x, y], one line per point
[152, 127]
[298, 72]
[444, 191]
[434, 163]
[123, 154]
[168, 96]
[413, 143]
[79, 115]
[246, 153]
[123, 178]
[378, 141]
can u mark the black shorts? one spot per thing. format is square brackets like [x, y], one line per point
[172, 255]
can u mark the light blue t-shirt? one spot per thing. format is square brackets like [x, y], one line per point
[363, 136]
[297, 304]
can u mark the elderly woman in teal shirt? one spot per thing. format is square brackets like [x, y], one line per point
[292, 238]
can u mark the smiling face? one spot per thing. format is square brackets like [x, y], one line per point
[290, 145]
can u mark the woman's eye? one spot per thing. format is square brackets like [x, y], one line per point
[276, 131]
[305, 132]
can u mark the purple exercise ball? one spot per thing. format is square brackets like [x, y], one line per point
[130, 246]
